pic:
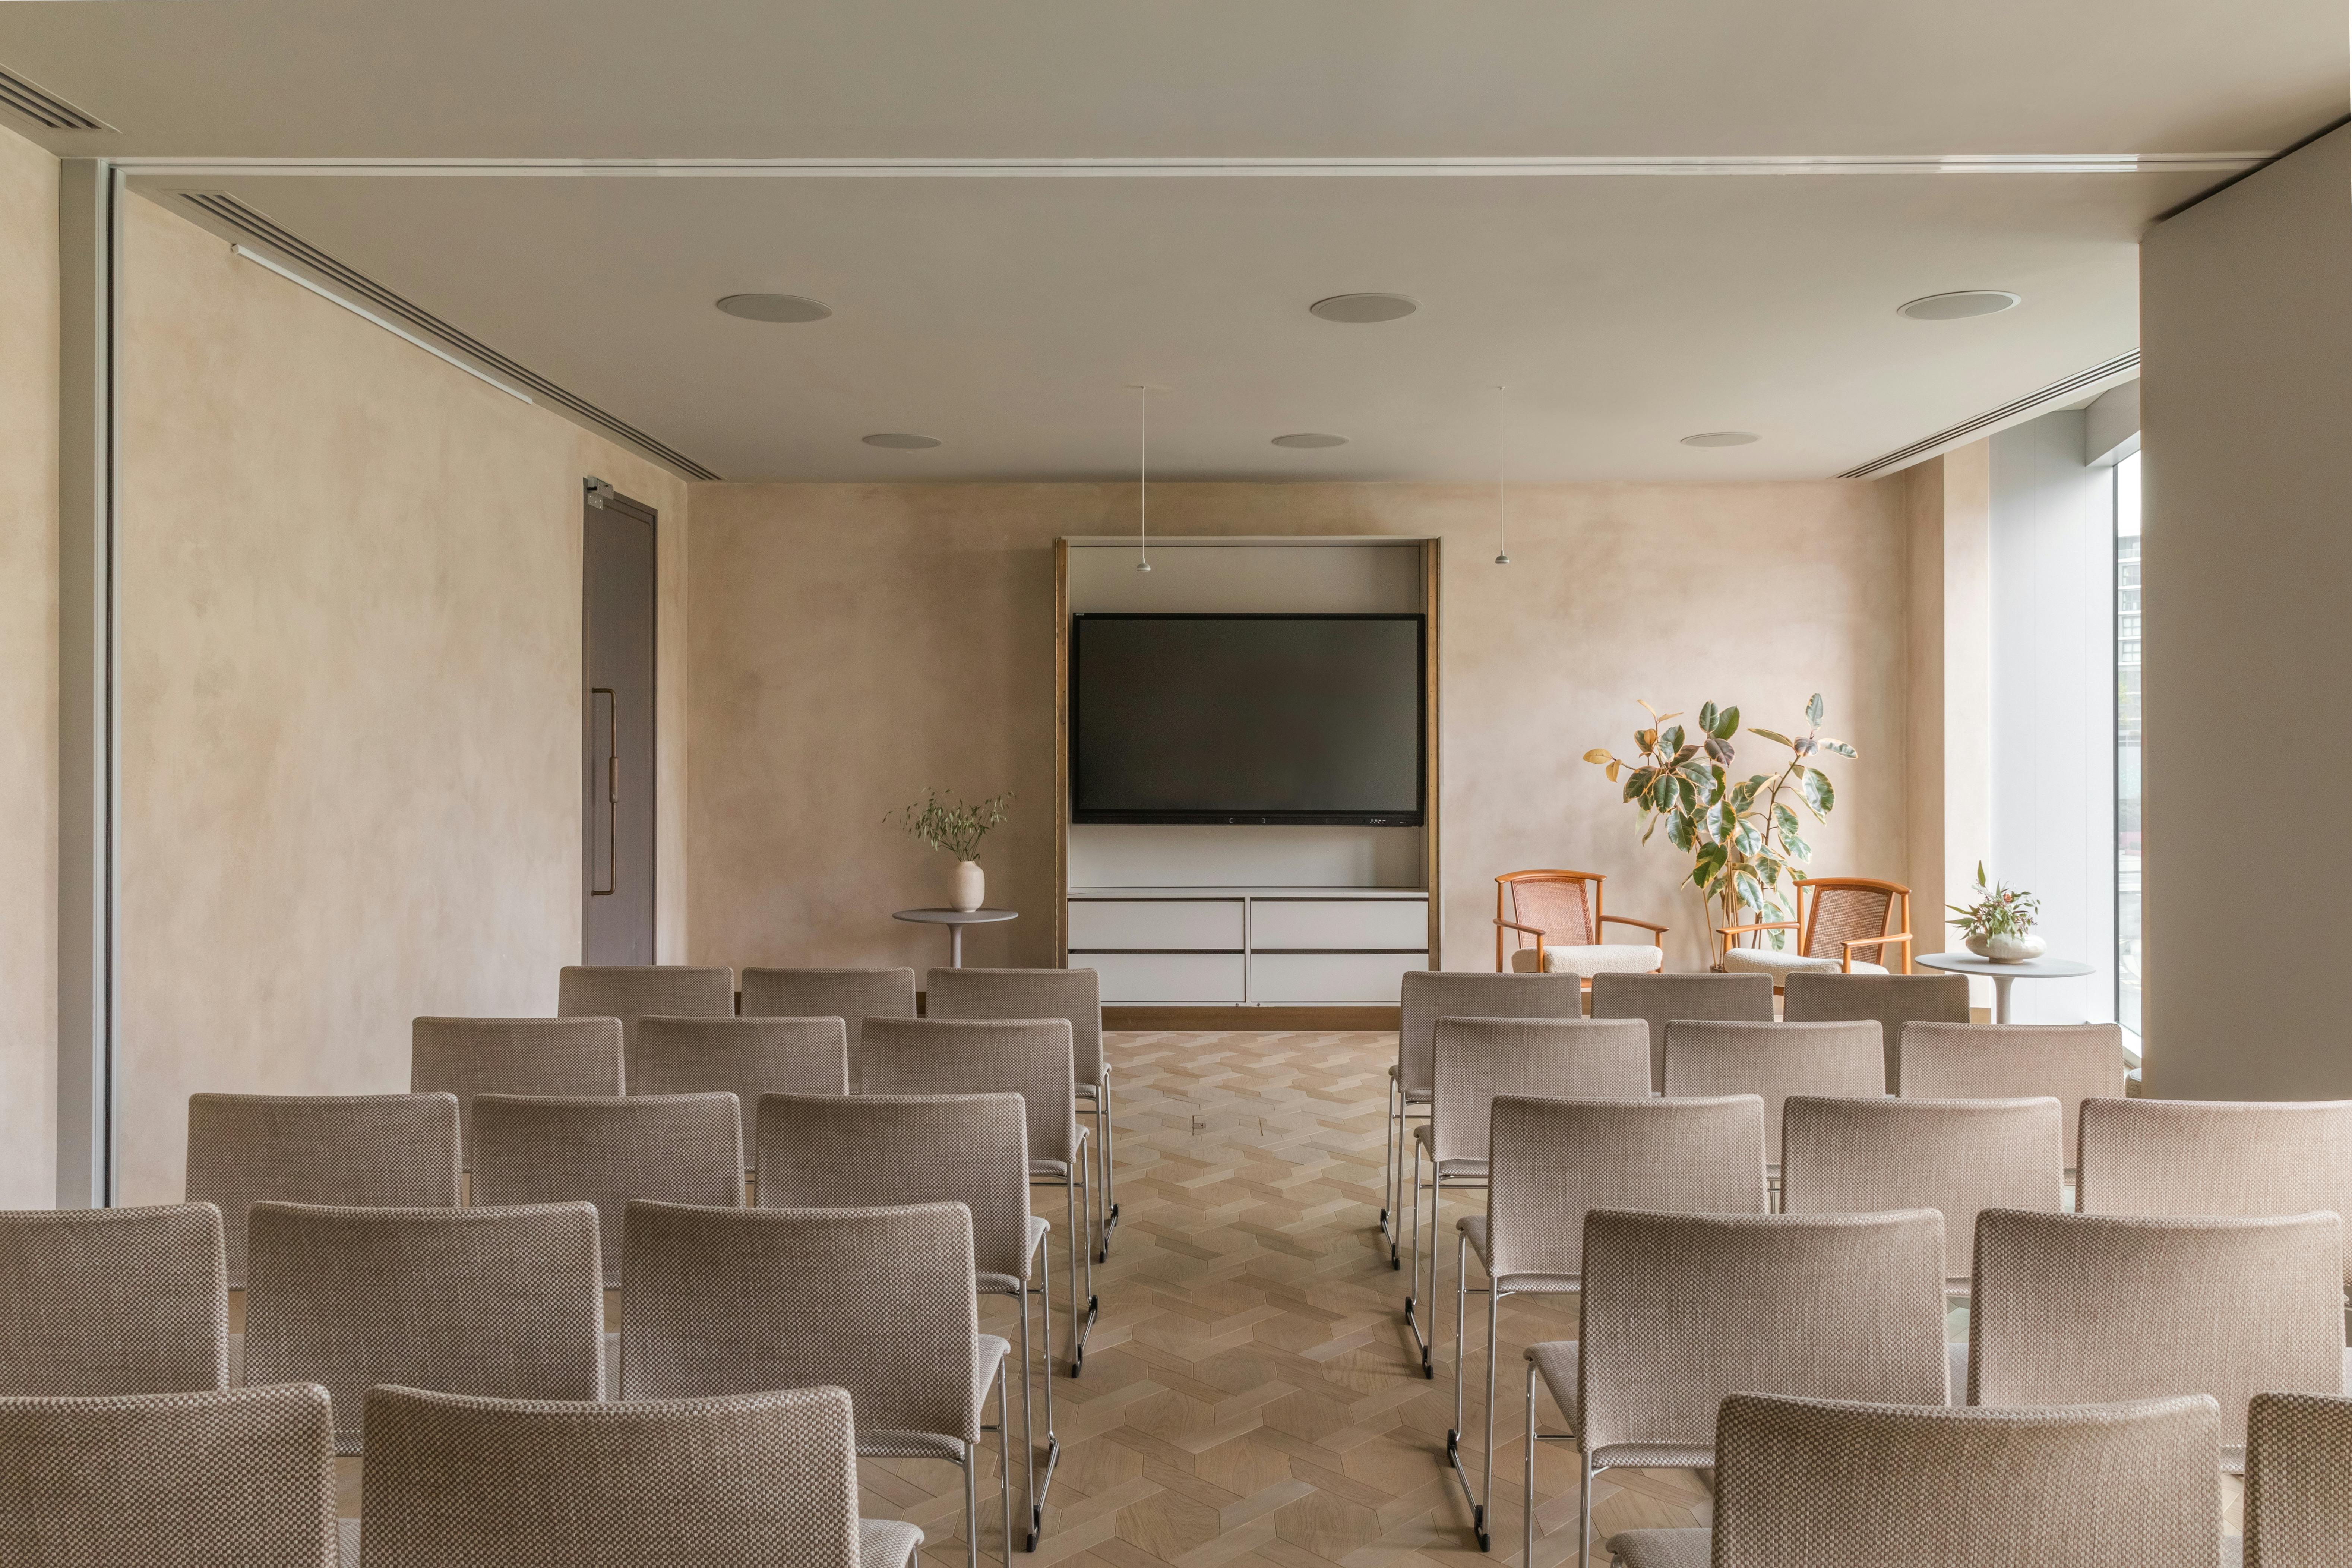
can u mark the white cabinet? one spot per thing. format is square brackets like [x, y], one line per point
[1147, 977]
[1343, 924]
[1330, 976]
[1288, 945]
[1150, 925]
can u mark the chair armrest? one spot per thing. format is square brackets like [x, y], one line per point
[1768, 925]
[1904, 936]
[1623, 920]
[1514, 925]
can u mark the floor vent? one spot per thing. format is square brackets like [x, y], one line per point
[226, 209]
[44, 108]
[2049, 393]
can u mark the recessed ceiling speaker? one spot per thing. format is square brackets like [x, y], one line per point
[775, 308]
[1310, 439]
[1359, 310]
[899, 441]
[1722, 439]
[1959, 305]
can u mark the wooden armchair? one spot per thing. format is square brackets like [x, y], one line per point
[1550, 923]
[1838, 919]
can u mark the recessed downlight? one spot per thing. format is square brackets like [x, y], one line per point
[775, 308]
[1959, 305]
[899, 441]
[1722, 439]
[1360, 309]
[1308, 439]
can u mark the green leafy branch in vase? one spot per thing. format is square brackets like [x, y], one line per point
[957, 829]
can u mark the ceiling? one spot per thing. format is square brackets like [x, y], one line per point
[1006, 316]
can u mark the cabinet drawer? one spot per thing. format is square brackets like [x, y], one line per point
[1156, 923]
[1351, 923]
[1165, 976]
[1330, 976]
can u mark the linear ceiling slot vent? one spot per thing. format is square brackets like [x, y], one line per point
[2030, 401]
[42, 107]
[226, 209]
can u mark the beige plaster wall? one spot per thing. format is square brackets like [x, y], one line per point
[350, 693]
[854, 643]
[1948, 503]
[28, 672]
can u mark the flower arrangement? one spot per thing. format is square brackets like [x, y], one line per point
[1999, 911]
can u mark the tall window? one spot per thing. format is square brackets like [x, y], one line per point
[2127, 747]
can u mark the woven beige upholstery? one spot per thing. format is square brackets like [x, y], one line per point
[1894, 1000]
[2083, 1309]
[666, 1148]
[1590, 960]
[851, 995]
[2299, 1481]
[1777, 964]
[1958, 1157]
[2215, 1157]
[238, 1478]
[1774, 1061]
[362, 1150]
[1427, 996]
[507, 1302]
[2070, 1062]
[467, 1057]
[633, 991]
[1558, 1059]
[1030, 1058]
[1659, 999]
[105, 1301]
[746, 1057]
[1075, 994]
[1806, 1483]
[459, 1482]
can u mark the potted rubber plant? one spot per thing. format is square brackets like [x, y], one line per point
[957, 828]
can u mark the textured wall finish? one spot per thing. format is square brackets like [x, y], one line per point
[28, 672]
[853, 644]
[1949, 504]
[350, 646]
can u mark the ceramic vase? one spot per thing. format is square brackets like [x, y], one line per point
[2008, 948]
[966, 886]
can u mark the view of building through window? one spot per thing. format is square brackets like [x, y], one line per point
[2128, 746]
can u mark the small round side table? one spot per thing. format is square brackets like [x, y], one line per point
[955, 921]
[2000, 975]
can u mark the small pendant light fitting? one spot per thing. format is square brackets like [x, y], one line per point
[1142, 477]
[1502, 518]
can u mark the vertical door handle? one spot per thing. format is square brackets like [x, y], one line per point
[613, 781]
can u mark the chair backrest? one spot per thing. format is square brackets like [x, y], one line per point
[1958, 1157]
[243, 1476]
[2070, 1062]
[502, 1301]
[1425, 995]
[1560, 904]
[1660, 999]
[851, 995]
[630, 991]
[2072, 1309]
[2299, 1481]
[467, 1057]
[879, 1301]
[1894, 1000]
[1552, 1162]
[667, 1148]
[746, 1057]
[1679, 1311]
[1839, 909]
[1811, 1483]
[361, 1151]
[2215, 1157]
[1773, 1061]
[1075, 994]
[1027, 1057]
[1558, 1059]
[459, 1482]
[883, 1151]
[98, 1302]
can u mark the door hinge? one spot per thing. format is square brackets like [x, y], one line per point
[599, 491]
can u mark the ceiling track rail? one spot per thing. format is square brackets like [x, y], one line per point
[226, 209]
[44, 108]
[2006, 412]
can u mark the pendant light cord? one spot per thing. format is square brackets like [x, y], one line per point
[1502, 515]
[1143, 478]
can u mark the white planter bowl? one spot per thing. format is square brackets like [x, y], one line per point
[2008, 948]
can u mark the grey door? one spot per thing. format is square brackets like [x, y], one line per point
[617, 753]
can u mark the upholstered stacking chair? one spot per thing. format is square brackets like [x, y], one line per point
[1660, 999]
[456, 1481]
[851, 995]
[1844, 925]
[630, 990]
[1894, 1000]
[1960, 1060]
[1075, 994]
[500, 1301]
[1815, 1483]
[1550, 923]
[2086, 1309]
[1773, 1061]
[1846, 1307]
[2298, 1507]
[664, 1148]
[1958, 1157]
[877, 1150]
[241, 1476]
[113, 1301]
[359, 1151]
[1553, 1162]
[746, 1057]
[1424, 996]
[1478, 1058]
[1030, 1058]
[467, 1057]
[879, 1302]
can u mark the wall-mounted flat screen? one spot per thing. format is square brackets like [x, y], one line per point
[1247, 719]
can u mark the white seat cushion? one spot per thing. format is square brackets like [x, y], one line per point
[1776, 963]
[1606, 958]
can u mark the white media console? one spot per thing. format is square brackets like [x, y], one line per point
[1244, 945]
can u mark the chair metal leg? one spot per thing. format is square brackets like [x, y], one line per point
[1584, 1508]
[1480, 1512]
[1412, 1216]
[1039, 1491]
[1110, 1158]
[1101, 1191]
[1436, 1309]
[971, 1504]
[1388, 1170]
[1086, 1175]
[1487, 1510]
[1004, 1450]
[1528, 1502]
[1077, 1246]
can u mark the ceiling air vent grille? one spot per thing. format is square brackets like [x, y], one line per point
[2030, 401]
[227, 209]
[44, 108]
